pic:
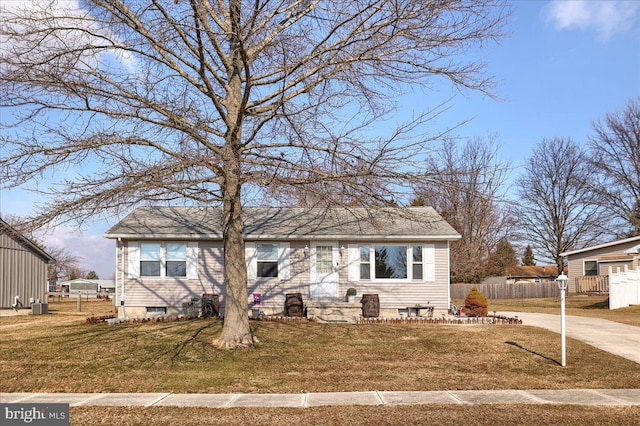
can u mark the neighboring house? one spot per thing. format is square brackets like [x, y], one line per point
[85, 285]
[588, 268]
[23, 268]
[525, 274]
[166, 256]
[106, 286]
[531, 274]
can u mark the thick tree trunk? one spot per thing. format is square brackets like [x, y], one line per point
[235, 331]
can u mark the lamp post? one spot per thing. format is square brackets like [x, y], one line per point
[563, 280]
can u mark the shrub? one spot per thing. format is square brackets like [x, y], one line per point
[476, 303]
[351, 291]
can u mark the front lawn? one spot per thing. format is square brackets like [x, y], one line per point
[63, 353]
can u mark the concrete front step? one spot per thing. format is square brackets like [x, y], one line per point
[334, 311]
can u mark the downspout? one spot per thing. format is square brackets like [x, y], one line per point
[122, 314]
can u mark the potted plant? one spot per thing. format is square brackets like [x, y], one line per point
[351, 295]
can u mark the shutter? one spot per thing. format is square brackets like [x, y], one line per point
[354, 262]
[192, 260]
[283, 261]
[251, 261]
[429, 262]
[133, 254]
[163, 260]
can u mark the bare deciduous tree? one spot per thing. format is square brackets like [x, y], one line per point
[558, 209]
[64, 261]
[615, 153]
[467, 187]
[212, 101]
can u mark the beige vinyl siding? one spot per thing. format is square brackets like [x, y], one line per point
[403, 294]
[273, 291]
[172, 292]
[614, 256]
[574, 269]
[22, 273]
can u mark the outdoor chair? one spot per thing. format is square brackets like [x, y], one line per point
[456, 312]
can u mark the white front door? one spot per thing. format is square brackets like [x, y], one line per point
[324, 269]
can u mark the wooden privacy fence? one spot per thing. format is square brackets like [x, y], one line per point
[624, 287]
[508, 291]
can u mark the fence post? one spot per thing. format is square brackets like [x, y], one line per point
[637, 301]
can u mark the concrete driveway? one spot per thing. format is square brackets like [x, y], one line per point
[616, 338]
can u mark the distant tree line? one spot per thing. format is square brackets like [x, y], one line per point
[570, 195]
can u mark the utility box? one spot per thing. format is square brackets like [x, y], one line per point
[39, 308]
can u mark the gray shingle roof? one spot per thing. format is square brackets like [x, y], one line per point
[401, 223]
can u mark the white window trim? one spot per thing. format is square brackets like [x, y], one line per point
[133, 267]
[428, 262]
[251, 260]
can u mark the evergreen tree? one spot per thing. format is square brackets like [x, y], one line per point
[527, 258]
[503, 257]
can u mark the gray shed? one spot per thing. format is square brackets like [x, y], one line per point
[23, 268]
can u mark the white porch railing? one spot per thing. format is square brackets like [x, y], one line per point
[624, 287]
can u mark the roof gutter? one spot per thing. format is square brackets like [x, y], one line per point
[253, 237]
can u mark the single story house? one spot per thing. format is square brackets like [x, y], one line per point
[588, 268]
[23, 268]
[525, 274]
[531, 274]
[85, 285]
[167, 256]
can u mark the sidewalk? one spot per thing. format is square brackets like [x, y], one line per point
[608, 397]
[613, 337]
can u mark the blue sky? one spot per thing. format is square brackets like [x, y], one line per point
[565, 65]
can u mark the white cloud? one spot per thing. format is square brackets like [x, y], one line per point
[76, 29]
[95, 252]
[606, 18]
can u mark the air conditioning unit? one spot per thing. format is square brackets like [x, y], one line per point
[40, 308]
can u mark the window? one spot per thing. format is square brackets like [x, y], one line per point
[390, 262]
[156, 309]
[590, 268]
[386, 262]
[324, 259]
[150, 259]
[417, 263]
[267, 260]
[267, 256]
[365, 263]
[176, 260]
[162, 260]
